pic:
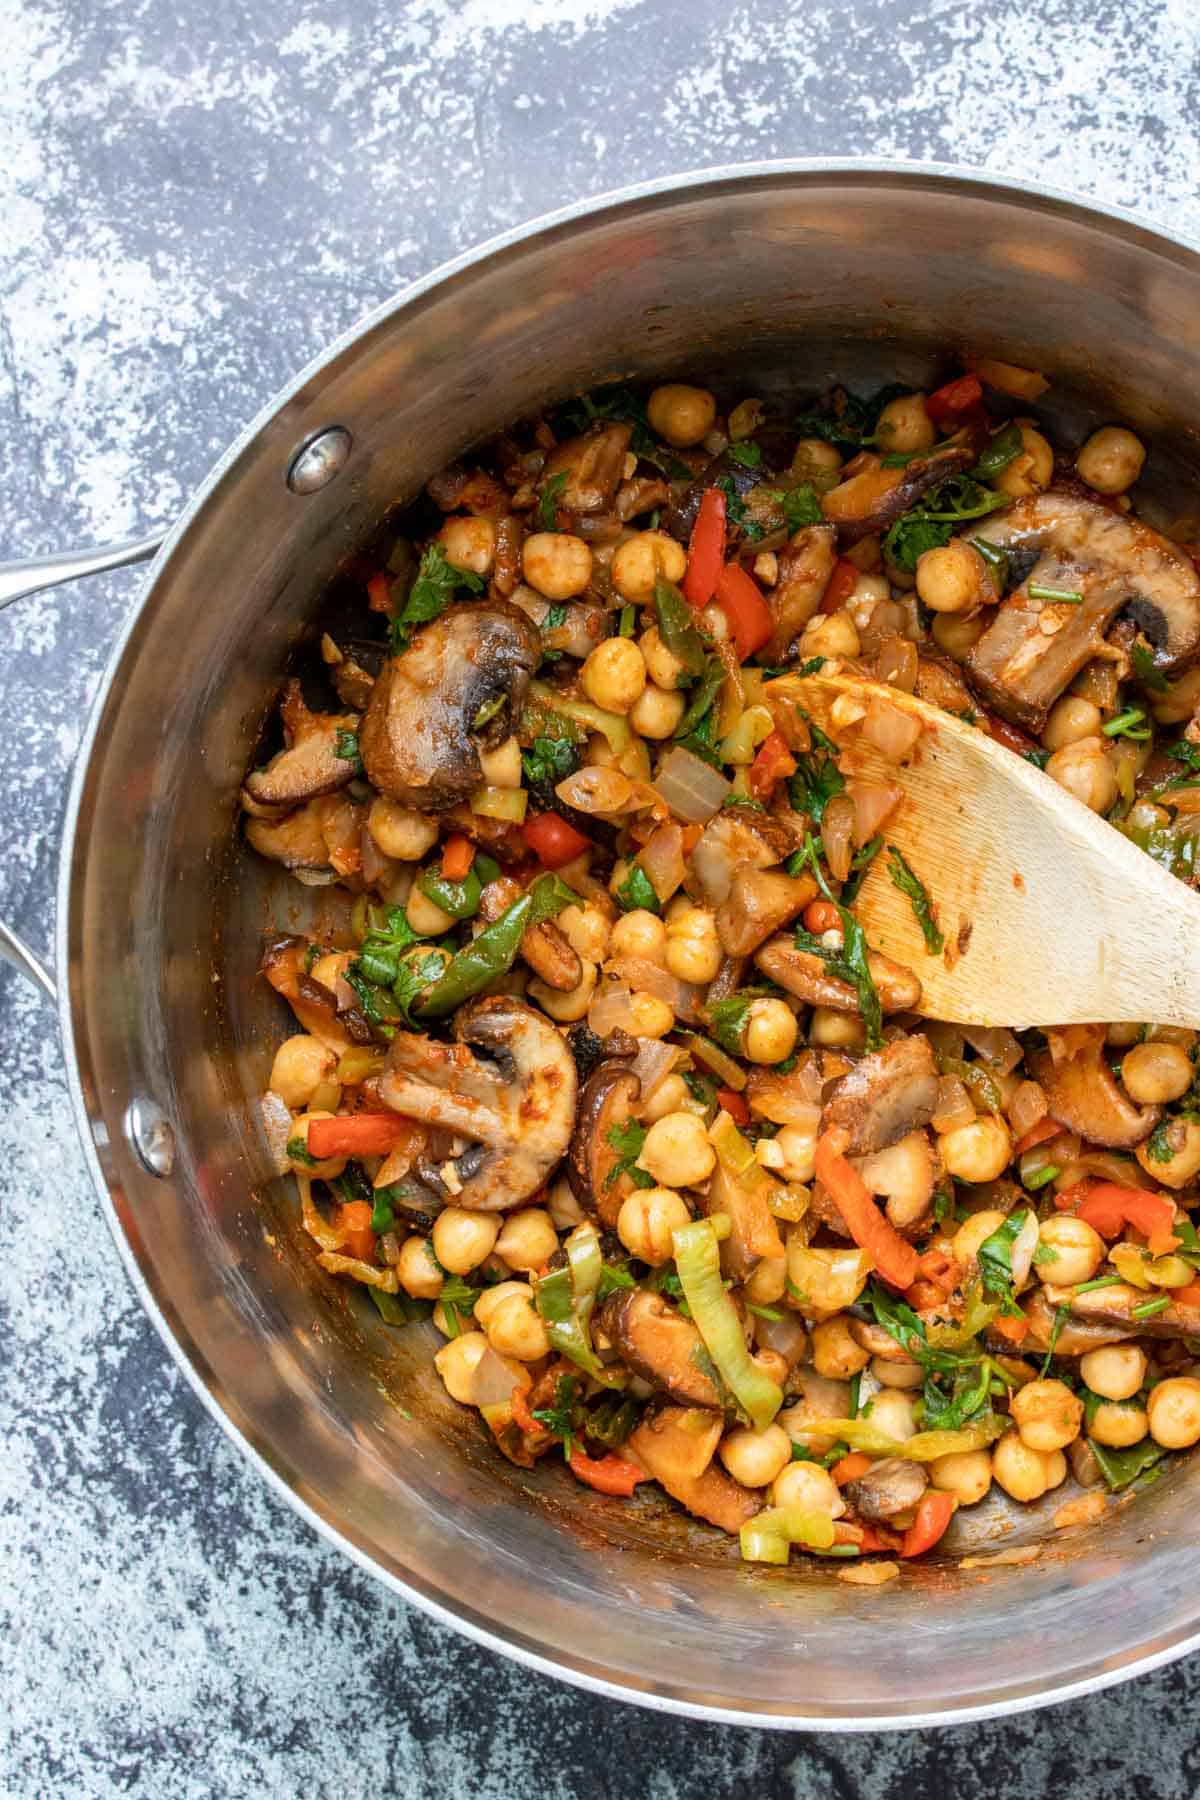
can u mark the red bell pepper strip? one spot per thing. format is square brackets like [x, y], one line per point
[1186, 1296]
[751, 621]
[948, 406]
[610, 1475]
[850, 1467]
[1069, 1199]
[356, 1134]
[871, 1538]
[840, 585]
[773, 761]
[523, 1419]
[553, 841]
[1110, 1207]
[1041, 1133]
[896, 1262]
[354, 1217]
[734, 1105]
[934, 1512]
[458, 853]
[379, 592]
[706, 549]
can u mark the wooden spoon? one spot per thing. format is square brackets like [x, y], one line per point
[1050, 916]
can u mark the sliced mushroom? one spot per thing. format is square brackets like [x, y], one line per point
[661, 1346]
[420, 740]
[283, 964]
[804, 974]
[676, 1445]
[941, 685]
[590, 1051]
[805, 566]
[1075, 1336]
[593, 464]
[737, 838]
[1116, 563]
[314, 760]
[874, 495]
[1083, 1094]
[605, 1104]
[735, 476]
[903, 1174]
[753, 1233]
[886, 1096]
[297, 840]
[516, 1099]
[1114, 1307]
[758, 903]
[550, 956]
[889, 1487]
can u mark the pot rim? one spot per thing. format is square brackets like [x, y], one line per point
[578, 1672]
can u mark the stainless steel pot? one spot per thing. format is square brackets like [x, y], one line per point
[790, 274]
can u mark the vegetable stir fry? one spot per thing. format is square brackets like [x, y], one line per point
[604, 1072]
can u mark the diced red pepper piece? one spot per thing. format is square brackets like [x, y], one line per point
[1069, 1198]
[458, 853]
[1110, 1207]
[948, 406]
[610, 1475]
[773, 761]
[523, 1419]
[840, 585]
[850, 1467]
[553, 841]
[379, 592]
[750, 619]
[821, 915]
[1010, 1327]
[354, 1217]
[706, 549]
[734, 1105]
[934, 1512]
[895, 1260]
[356, 1134]
[1041, 1133]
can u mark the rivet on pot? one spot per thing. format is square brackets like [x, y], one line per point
[151, 1135]
[319, 459]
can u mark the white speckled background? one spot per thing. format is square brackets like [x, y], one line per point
[192, 200]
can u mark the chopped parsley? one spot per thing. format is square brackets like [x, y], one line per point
[555, 617]
[800, 505]
[559, 1419]
[636, 893]
[860, 864]
[1039, 758]
[627, 1138]
[457, 1300]
[1132, 723]
[735, 508]
[614, 1277]
[999, 451]
[930, 524]
[1142, 660]
[910, 884]
[437, 581]
[727, 1020]
[816, 780]
[299, 1152]
[548, 761]
[1158, 1147]
[995, 1261]
[851, 963]
[345, 748]
[548, 504]
[748, 454]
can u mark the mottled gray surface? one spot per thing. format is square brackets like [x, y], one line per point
[192, 199]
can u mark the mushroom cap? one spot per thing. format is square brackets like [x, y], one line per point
[417, 740]
[661, 1346]
[609, 1094]
[885, 1097]
[1083, 1094]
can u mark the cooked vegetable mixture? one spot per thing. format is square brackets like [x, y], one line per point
[603, 1070]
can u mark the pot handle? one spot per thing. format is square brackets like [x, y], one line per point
[30, 577]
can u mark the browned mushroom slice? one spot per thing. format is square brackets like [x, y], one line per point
[605, 1105]
[737, 838]
[1034, 647]
[550, 956]
[805, 565]
[758, 903]
[661, 1346]
[593, 464]
[1114, 1308]
[515, 1100]
[454, 691]
[903, 1175]
[1074, 1336]
[874, 495]
[320, 755]
[296, 840]
[753, 1233]
[1083, 1094]
[889, 1487]
[315, 1007]
[804, 974]
[676, 1445]
[885, 1097]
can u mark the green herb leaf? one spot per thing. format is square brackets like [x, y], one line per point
[346, 749]
[1065, 596]
[437, 582]
[816, 780]
[614, 1277]
[548, 504]
[1129, 724]
[1121, 1467]
[559, 1419]
[736, 510]
[636, 893]
[457, 1300]
[547, 762]
[747, 454]
[415, 975]
[995, 1260]
[1061, 1316]
[860, 864]
[930, 523]
[627, 1138]
[851, 963]
[399, 1309]
[298, 1151]
[727, 1020]
[910, 884]
[1158, 1147]
[1142, 660]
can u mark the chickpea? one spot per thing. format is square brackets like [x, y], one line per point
[425, 916]
[662, 665]
[646, 1220]
[641, 559]
[954, 578]
[1182, 1138]
[829, 634]
[682, 415]
[569, 1006]
[834, 1351]
[614, 675]
[1071, 719]
[892, 1412]
[1111, 460]
[1115, 1372]
[556, 564]
[417, 1269]
[772, 1363]
[1154, 1073]
[1118, 1425]
[457, 1361]
[1085, 770]
[469, 543]
[1123, 1033]
[891, 1372]
[975, 1230]
[670, 1096]
[767, 1284]
[1047, 1414]
[755, 1458]
[1028, 472]
[905, 425]
[587, 929]
[501, 767]
[515, 1328]
[799, 1147]
[813, 456]
[462, 1240]
[1078, 1251]
[965, 1473]
[956, 634]
[1021, 1472]
[649, 1016]
[300, 1066]
[1174, 1412]
[770, 1034]
[834, 1030]
[332, 1167]
[977, 1152]
[693, 949]
[677, 1150]
[492, 1297]
[527, 1238]
[639, 933]
[1056, 1468]
[400, 831]
[657, 711]
[808, 1485]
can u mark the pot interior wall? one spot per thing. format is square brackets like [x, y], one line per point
[787, 280]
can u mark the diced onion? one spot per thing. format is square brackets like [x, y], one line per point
[646, 977]
[873, 804]
[692, 788]
[1009, 378]
[610, 1009]
[494, 1377]
[954, 1106]
[896, 662]
[663, 862]
[500, 803]
[837, 826]
[653, 1063]
[1027, 1107]
[997, 1045]
[596, 790]
[893, 733]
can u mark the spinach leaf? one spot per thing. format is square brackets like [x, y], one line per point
[627, 1138]
[437, 582]
[636, 893]
[748, 454]
[910, 884]
[995, 1261]
[548, 504]
[930, 524]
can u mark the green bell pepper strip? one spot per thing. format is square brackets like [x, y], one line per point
[698, 1264]
[496, 948]
[565, 1299]
[458, 898]
[676, 627]
[1120, 1467]
[769, 1535]
[925, 1447]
